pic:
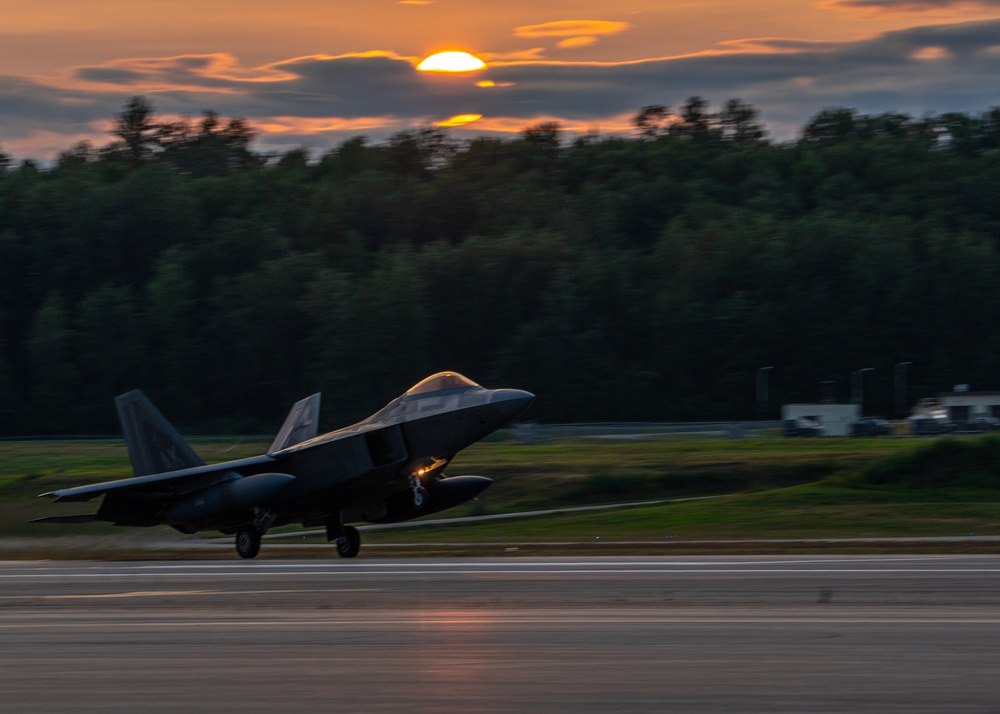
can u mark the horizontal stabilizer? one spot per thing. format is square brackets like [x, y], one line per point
[301, 424]
[81, 518]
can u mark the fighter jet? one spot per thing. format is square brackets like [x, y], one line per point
[386, 468]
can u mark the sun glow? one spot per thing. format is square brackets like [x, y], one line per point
[459, 120]
[451, 62]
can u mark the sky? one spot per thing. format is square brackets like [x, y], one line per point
[313, 73]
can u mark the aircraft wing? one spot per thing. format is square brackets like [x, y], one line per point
[80, 518]
[168, 482]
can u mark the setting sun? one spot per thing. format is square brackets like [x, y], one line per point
[451, 62]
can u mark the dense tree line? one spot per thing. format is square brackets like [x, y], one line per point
[643, 277]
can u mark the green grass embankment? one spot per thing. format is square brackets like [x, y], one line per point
[584, 473]
[862, 489]
[765, 488]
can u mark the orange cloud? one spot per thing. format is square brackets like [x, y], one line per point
[219, 65]
[572, 28]
[769, 46]
[50, 143]
[532, 55]
[931, 53]
[584, 41]
[319, 125]
[370, 54]
[204, 72]
[578, 33]
[515, 125]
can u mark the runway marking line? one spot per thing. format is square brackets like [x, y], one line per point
[182, 593]
[103, 596]
[498, 621]
[538, 564]
[515, 571]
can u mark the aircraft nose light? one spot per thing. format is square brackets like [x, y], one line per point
[511, 402]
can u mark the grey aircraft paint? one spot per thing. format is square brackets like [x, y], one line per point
[386, 468]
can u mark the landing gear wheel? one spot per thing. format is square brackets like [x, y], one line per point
[248, 542]
[419, 496]
[349, 543]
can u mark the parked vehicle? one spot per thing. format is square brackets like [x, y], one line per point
[802, 427]
[871, 426]
[929, 426]
[983, 423]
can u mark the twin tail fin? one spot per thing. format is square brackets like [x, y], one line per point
[154, 445]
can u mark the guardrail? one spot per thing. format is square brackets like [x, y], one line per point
[530, 432]
[525, 432]
[213, 438]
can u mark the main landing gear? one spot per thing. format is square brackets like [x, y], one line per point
[349, 542]
[248, 542]
[347, 538]
[248, 537]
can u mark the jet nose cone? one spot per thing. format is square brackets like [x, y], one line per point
[511, 402]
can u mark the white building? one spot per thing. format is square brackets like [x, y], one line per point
[961, 405]
[836, 419]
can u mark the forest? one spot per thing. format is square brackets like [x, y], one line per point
[640, 277]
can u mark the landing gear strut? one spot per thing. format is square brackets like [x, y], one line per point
[248, 537]
[248, 542]
[419, 492]
[349, 542]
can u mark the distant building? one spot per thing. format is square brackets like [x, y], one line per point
[960, 405]
[836, 419]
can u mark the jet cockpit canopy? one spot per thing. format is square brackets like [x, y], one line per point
[440, 382]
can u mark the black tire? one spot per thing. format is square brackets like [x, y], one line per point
[248, 542]
[420, 496]
[349, 543]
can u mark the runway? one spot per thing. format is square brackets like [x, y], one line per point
[721, 634]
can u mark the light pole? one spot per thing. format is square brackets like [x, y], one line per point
[900, 389]
[762, 392]
[828, 391]
[858, 387]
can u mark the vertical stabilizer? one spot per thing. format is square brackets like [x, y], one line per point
[301, 424]
[154, 446]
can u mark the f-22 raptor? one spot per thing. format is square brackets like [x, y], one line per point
[384, 469]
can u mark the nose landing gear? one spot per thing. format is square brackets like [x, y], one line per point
[419, 492]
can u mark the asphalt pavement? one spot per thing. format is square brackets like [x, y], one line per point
[713, 634]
